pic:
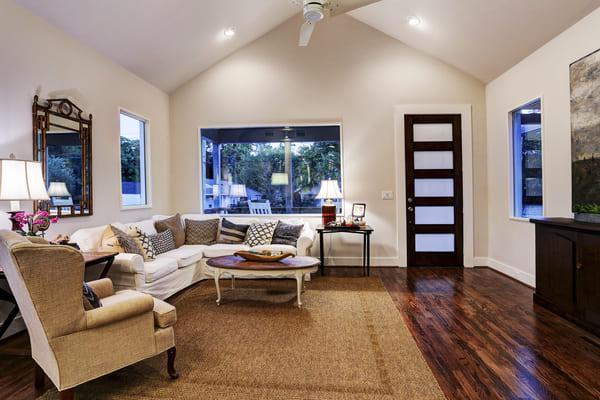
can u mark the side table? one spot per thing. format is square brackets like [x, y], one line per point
[364, 230]
[97, 257]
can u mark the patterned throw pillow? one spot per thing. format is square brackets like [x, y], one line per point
[162, 242]
[174, 224]
[143, 242]
[90, 298]
[201, 232]
[114, 239]
[287, 234]
[260, 234]
[232, 233]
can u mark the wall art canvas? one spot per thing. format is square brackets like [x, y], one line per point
[585, 133]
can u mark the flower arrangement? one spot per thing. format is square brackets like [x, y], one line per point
[38, 222]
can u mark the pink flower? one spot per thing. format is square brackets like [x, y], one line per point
[54, 220]
[43, 213]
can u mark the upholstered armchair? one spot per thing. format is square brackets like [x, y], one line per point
[72, 345]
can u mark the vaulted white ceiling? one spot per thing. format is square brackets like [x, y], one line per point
[168, 42]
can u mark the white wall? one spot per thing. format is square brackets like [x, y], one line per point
[36, 58]
[350, 73]
[544, 73]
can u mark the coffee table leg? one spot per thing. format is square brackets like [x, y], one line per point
[217, 276]
[299, 282]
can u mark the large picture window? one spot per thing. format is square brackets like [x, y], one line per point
[527, 160]
[268, 170]
[133, 160]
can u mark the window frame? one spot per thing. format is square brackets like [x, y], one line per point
[511, 159]
[273, 125]
[146, 153]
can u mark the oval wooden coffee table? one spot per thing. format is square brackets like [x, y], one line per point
[292, 267]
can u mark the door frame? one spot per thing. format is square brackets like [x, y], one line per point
[467, 169]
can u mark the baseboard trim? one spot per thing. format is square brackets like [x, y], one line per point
[508, 270]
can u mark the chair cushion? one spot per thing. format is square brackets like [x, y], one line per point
[260, 234]
[223, 249]
[201, 232]
[165, 315]
[174, 224]
[159, 267]
[286, 234]
[114, 239]
[232, 233]
[162, 242]
[185, 255]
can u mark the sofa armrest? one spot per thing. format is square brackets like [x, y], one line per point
[305, 241]
[128, 262]
[102, 287]
[123, 305]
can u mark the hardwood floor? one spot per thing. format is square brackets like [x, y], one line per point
[479, 331]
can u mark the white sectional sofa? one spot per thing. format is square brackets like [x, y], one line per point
[176, 269]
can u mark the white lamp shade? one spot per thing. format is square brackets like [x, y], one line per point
[329, 190]
[279, 178]
[22, 180]
[238, 191]
[58, 189]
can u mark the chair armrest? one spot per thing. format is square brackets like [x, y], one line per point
[123, 305]
[102, 287]
[305, 241]
[37, 240]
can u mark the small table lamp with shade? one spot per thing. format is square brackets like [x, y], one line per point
[21, 180]
[329, 190]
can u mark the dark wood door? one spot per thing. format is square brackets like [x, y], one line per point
[434, 215]
[587, 293]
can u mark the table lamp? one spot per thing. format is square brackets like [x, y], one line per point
[329, 190]
[21, 180]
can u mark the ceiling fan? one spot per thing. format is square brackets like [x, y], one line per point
[315, 10]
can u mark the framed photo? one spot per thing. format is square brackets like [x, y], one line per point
[358, 210]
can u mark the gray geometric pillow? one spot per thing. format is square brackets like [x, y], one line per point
[201, 232]
[287, 234]
[162, 242]
[126, 242]
[260, 234]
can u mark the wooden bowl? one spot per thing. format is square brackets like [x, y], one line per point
[247, 255]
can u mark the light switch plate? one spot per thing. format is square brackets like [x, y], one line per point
[387, 195]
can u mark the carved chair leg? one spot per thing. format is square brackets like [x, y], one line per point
[171, 363]
[68, 394]
[39, 377]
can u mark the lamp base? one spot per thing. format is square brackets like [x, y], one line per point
[328, 212]
[15, 224]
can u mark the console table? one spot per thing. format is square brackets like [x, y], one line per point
[567, 273]
[364, 230]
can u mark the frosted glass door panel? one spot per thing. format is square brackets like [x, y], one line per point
[434, 242]
[434, 215]
[434, 187]
[432, 132]
[433, 160]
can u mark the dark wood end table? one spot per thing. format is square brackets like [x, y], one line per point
[364, 230]
[97, 257]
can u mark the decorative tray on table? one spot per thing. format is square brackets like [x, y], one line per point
[264, 256]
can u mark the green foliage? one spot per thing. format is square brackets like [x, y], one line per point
[589, 208]
[130, 160]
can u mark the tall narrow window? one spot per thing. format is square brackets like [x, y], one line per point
[133, 160]
[527, 160]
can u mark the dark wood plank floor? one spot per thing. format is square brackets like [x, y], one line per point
[479, 331]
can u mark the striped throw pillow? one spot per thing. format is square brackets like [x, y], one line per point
[232, 233]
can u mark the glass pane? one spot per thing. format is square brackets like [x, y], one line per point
[434, 215]
[434, 187]
[433, 160]
[434, 242]
[133, 163]
[432, 132]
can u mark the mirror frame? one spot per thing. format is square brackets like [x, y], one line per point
[43, 111]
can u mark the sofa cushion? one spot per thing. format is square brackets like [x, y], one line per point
[143, 241]
[232, 233]
[146, 226]
[174, 224]
[201, 232]
[224, 249]
[284, 248]
[162, 242]
[114, 239]
[159, 267]
[260, 234]
[287, 234]
[186, 255]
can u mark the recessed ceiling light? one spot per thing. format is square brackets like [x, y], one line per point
[413, 21]
[229, 32]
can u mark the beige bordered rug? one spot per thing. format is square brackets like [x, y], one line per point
[348, 341]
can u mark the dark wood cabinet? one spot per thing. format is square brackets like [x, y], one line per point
[567, 257]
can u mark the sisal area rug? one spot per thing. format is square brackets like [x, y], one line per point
[348, 341]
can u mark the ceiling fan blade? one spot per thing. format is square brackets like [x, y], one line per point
[337, 7]
[305, 32]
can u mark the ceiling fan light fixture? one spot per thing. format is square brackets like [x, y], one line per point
[313, 12]
[413, 20]
[229, 32]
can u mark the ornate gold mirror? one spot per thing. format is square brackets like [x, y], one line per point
[62, 141]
